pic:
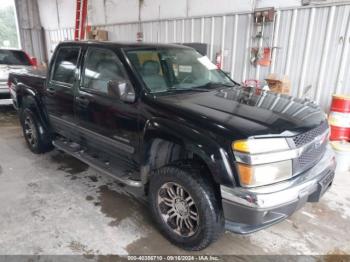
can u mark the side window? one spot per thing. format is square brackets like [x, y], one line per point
[102, 66]
[65, 65]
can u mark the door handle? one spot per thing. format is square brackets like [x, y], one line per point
[82, 100]
[51, 91]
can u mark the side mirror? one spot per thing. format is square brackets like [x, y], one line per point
[123, 90]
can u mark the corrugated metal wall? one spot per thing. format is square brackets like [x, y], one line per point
[30, 30]
[53, 37]
[311, 45]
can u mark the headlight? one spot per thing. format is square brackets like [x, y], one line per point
[263, 145]
[263, 161]
[265, 174]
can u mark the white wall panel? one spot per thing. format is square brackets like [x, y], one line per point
[206, 7]
[96, 12]
[311, 45]
[277, 3]
[48, 14]
[163, 9]
[30, 31]
[65, 17]
[120, 11]
[61, 13]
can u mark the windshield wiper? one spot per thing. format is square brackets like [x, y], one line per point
[202, 88]
[216, 84]
[196, 89]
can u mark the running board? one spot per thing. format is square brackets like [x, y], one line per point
[75, 150]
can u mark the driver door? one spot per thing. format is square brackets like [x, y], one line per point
[106, 123]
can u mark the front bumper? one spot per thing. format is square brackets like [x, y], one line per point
[248, 210]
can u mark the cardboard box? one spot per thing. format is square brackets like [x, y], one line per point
[278, 84]
[99, 35]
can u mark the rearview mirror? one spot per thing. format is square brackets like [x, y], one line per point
[123, 90]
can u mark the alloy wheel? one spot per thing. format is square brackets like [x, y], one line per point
[178, 209]
[30, 131]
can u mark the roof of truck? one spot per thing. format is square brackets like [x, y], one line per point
[123, 44]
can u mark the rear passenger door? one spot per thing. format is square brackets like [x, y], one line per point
[61, 85]
[107, 124]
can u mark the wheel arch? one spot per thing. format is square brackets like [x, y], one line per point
[173, 141]
[29, 99]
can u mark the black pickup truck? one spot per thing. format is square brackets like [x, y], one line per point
[208, 153]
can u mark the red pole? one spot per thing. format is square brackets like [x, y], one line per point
[77, 20]
[83, 20]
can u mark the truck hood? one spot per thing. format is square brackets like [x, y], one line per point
[6, 69]
[245, 112]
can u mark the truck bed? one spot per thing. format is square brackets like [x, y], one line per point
[38, 73]
[27, 79]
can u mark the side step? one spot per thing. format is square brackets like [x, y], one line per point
[76, 151]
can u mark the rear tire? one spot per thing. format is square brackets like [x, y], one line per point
[37, 138]
[185, 206]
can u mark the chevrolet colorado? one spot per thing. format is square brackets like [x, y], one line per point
[208, 153]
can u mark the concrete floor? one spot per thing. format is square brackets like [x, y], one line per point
[54, 204]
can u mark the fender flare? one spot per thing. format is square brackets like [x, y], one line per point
[192, 140]
[30, 99]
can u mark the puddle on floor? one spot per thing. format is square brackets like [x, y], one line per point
[69, 164]
[116, 205]
[89, 198]
[8, 116]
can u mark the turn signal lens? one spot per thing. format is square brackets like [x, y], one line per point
[260, 145]
[245, 174]
[241, 146]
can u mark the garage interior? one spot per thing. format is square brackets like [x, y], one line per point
[53, 204]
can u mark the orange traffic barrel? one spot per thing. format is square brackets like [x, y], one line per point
[339, 118]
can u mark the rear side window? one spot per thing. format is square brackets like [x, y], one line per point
[65, 65]
[13, 57]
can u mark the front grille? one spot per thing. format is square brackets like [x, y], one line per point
[308, 136]
[310, 158]
[313, 152]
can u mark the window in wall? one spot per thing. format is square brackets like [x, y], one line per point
[8, 25]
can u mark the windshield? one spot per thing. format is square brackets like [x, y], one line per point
[169, 69]
[13, 57]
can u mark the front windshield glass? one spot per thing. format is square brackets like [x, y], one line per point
[168, 69]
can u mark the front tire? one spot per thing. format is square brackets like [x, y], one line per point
[185, 206]
[34, 133]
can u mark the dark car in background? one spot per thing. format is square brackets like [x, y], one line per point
[11, 60]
